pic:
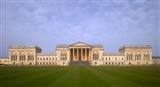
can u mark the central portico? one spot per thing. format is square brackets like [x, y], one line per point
[80, 52]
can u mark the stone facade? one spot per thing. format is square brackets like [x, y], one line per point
[94, 53]
[156, 60]
[4, 61]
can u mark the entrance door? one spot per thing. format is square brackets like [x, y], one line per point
[79, 58]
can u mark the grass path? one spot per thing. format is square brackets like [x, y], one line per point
[79, 76]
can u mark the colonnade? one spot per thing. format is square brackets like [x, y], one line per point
[80, 54]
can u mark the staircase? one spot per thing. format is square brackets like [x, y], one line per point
[79, 63]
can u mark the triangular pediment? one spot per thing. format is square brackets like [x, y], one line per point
[79, 44]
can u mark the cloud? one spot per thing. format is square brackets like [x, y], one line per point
[109, 23]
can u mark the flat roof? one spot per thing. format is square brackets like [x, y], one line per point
[125, 46]
[19, 46]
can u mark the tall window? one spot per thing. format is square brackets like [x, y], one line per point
[30, 57]
[63, 55]
[137, 57]
[146, 57]
[95, 57]
[22, 57]
[129, 57]
[13, 57]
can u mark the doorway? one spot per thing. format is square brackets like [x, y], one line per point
[79, 58]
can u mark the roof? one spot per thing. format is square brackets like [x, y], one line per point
[24, 46]
[79, 44]
[113, 54]
[137, 46]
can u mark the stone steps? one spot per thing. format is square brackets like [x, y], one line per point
[79, 63]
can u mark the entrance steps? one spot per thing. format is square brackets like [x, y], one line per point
[79, 63]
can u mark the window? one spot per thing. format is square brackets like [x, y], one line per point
[63, 57]
[95, 57]
[22, 58]
[13, 57]
[146, 57]
[129, 57]
[137, 57]
[30, 57]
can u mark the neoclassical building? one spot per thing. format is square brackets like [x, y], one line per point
[80, 53]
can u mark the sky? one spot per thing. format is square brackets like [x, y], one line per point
[46, 23]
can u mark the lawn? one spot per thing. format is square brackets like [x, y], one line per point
[79, 76]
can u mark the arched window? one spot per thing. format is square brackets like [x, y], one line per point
[22, 56]
[30, 56]
[63, 55]
[95, 55]
[13, 56]
[129, 55]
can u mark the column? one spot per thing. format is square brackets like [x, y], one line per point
[142, 56]
[81, 54]
[89, 54]
[150, 55]
[26, 54]
[133, 55]
[68, 55]
[18, 56]
[73, 53]
[10, 55]
[26, 61]
[35, 58]
[85, 53]
[77, 54]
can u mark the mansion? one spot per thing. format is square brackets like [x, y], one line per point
[80, 53]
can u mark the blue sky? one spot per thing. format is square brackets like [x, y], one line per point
[46, 23]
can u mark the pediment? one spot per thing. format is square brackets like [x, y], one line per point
[79, 44]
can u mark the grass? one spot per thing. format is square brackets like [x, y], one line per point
[79, 76]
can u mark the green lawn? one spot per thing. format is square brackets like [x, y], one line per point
[79, 76]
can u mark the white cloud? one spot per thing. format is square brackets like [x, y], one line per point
[44, 23]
